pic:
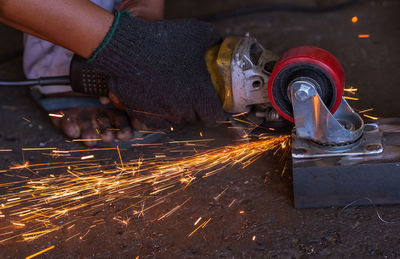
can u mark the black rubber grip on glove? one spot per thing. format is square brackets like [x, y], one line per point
[86, 79]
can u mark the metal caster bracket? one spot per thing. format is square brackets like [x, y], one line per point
[319, 133]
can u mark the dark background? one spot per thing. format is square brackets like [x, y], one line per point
[371, 65]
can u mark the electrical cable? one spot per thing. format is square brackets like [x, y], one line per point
[43, 81]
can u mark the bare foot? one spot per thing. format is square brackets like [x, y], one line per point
[93, 124]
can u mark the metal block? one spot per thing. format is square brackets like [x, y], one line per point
[340, 180]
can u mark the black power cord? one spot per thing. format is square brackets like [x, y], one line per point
[43, 81]
[65, 80]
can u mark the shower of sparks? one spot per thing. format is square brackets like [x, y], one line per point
[32, 208]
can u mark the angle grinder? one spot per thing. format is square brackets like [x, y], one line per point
[248, 78]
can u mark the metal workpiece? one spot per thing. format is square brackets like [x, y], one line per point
[327, 181]
[315, 122]
[245, 67]
[370, 143]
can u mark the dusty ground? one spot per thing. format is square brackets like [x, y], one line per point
[260, 192]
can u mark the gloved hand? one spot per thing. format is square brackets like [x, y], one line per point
[159, 69]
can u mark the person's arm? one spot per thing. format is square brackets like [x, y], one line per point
[77, 25]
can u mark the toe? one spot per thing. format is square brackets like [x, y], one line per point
[125, 131]
[88, 128]
[90, 136]
[69, 126]
[104, 127]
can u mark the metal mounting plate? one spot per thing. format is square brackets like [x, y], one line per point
[340, 180]
[370, 143]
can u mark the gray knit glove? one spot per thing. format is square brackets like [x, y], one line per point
[159, 70]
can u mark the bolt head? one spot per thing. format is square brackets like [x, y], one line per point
[303, 93]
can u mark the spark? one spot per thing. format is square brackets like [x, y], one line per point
[86, 139]
[143, 145]
[87, 157]
[110, 129]
[82, 237]
[194, 231]
[351, 98]
[173, 210]
[205, 223]
[354, 19]
[18, 224]
[124, 222]
[367, 110]
[151, 132]
[239, 114]
[232, 202]
[16, 167]
[363, 36]
[38, 148]
[6, 150]
[120, 158]
[351, 90]
[371, 117]
[219, 195]
[85, 150]
[71, 237]
[40, 252]
[27, 120]
[197, 221]
[57, 115]
[241, 212]
[190, 141]
[71, 226]
[254, 238]
[202, 225]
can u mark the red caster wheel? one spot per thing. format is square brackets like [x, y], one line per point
[306, 62]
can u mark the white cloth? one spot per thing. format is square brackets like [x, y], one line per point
[42, 58]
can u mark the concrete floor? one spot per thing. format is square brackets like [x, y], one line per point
[371, 65]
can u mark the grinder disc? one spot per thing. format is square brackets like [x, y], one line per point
[306, 62]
